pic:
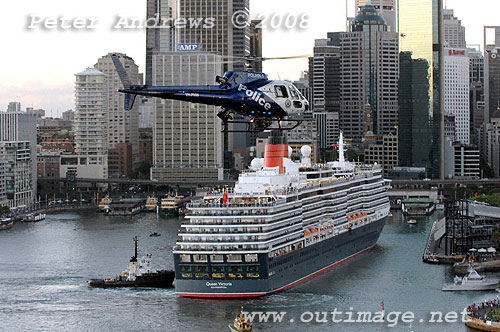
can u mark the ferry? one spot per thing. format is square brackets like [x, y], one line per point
[105, 203]
[34, 217]
[151, 204]
[284, 222]
[417, 207]
[171, 205]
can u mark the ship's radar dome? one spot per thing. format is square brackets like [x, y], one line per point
[257, 164]
[306, 151]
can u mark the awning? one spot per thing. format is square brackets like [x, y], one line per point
[491, 249]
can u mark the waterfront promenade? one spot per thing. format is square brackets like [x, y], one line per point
[484, 316]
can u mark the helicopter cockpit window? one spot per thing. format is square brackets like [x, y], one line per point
[281, 91]
[293, 92]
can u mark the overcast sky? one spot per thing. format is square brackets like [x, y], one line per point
[38, 65]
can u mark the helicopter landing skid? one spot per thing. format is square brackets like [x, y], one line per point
[260, 125]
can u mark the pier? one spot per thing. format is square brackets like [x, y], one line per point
[467, 226]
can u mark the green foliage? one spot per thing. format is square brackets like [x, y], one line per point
[493, 200]
[4, 210]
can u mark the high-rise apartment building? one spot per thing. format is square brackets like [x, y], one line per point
[456, 91]
[122, 125]
[421, 41]
[369, 77]
[18, 133]
[187, 136]
[90, 127]
[454, 31]
[160, 37]
[388, 9]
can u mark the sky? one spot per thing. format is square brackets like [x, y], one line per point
[38, 65]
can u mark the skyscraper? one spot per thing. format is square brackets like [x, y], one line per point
[224, 38]
[187, 136]
[414, 100]
[161, 37]
[454, 31]
[421, 37]
[122, 124]
[386, 8]
[256, 43]
[369, 77]
[456, 91]
[324, 75]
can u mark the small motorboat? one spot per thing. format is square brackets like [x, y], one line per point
[412, 222]
[473, 281]
[154, 234]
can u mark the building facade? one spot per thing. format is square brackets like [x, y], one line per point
[421, 39]
[384, 152]
[188, 143]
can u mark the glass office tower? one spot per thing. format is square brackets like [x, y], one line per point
[421, 38]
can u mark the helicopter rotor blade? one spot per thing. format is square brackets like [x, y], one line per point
[122, 73]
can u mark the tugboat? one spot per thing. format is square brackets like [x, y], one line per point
[138, 274]
[240, 324]
[473, 281]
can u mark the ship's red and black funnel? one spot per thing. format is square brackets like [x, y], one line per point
[276, 150]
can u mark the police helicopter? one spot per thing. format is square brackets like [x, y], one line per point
[240, 94]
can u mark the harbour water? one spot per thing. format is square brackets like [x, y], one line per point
[44, 268]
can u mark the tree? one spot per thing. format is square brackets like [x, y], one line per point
[4, 210]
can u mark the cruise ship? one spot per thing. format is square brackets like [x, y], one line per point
[283, 223]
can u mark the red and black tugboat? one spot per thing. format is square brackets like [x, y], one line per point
[138, 274]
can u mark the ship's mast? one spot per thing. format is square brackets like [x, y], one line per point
[341, 148]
